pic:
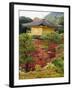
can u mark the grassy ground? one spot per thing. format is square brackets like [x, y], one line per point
[50, 72]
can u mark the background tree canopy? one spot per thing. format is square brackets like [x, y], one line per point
[56, 18]
[22, 20]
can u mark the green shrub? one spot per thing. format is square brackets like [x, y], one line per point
[37, 67]
[52, 37]
[60, 48]
[25, 48]
[59, 63]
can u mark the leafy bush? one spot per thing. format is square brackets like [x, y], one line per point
[59, 63]
[61, 31]
[51, 70]
[54, 37]
[43, 37]
[38, 68]
[60, 48]
[25, 48]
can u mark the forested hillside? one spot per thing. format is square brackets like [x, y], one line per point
[55, 17]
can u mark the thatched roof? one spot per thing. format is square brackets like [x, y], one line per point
[42, 22]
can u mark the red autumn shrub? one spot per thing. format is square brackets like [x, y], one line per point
[51, 54]
[52, 46]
